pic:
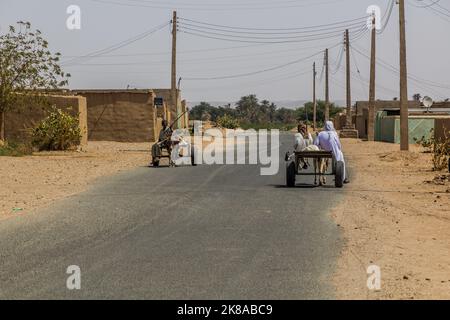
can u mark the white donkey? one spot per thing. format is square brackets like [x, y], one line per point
[320, 165]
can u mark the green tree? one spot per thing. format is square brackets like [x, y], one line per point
[272, 112]
[227, 122]
[264, 111]
[301, 114]
[197, 112]
[285, 115]
[417, 97]
[26, 66]
[248, 108]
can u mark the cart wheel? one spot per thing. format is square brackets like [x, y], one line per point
[155, 162]
[290, 174]
[193, 160]
[339, 175]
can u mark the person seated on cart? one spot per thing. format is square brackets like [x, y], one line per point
[165, 135]
[328, 140]
[303, 140]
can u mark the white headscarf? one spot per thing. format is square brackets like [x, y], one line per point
[329, 126]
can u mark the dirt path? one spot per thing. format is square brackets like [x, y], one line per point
[396, 220]
[35, 181]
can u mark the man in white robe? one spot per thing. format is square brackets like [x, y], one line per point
[328, 140]
[303, 140]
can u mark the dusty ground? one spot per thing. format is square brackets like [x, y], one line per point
[35, 181]
[393, 218]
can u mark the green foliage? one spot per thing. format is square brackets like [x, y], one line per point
[205, 111]
[13, 149]
[26, 66]
[252, 113]
[59, 131]
[249, 111]
[301, 114]
[440, 149]
[227, 122]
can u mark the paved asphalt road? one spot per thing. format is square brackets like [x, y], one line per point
[206, 232]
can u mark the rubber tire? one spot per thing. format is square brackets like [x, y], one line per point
[155, 162]
[339, 175]
[290, 174]
[193, 157]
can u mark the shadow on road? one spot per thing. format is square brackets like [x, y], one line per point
[301, 186]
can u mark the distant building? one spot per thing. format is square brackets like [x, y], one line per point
[387, 119]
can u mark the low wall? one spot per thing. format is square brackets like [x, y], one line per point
[418, 127]
[18, 124]
[123, 116]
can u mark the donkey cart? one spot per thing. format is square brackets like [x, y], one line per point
[295, 160]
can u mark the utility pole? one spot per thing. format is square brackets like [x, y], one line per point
[174, 91]
[371, 117]
[404, 113]
[327, 88]
[349, 130]
[349, 94]
[314, 98]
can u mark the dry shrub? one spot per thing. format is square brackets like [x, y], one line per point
[439, 148]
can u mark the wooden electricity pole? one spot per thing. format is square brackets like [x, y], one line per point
[371, 117]
[327, 88]
[314, 98]
[404, 114]
[348, 72]
[174, 91]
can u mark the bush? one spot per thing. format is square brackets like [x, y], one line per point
[13, 149]
[59, 131]
[440, 150]
[227, 122]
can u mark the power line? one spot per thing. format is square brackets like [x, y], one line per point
[387, 16]
[392, 68]
[308, 36]
[116, 46]
[214, 37]
[420, 83]
[253, 73]
[225, 7]
[268, 31]
[334, 24]
[358, 70]
[435, 8]
[426, 5]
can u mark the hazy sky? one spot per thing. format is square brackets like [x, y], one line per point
[146, 63]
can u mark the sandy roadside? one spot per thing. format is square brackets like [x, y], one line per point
[391, 217]
[35, 181]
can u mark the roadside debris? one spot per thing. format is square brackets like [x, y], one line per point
[440, 179]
